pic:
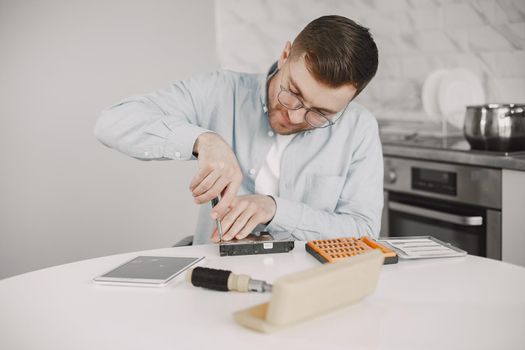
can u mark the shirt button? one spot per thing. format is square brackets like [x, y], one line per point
[146, 153]
[270, 133]
[265, 109]
[177, 154]
[252, 171]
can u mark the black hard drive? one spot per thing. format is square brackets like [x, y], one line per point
[261, 243]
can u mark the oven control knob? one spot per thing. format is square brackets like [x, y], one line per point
[391, 176]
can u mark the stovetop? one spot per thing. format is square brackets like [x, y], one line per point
[453, 143]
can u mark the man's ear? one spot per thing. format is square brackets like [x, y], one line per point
[284, 54]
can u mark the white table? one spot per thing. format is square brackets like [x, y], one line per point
[459, 303]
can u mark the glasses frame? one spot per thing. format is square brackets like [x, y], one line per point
[330, 120]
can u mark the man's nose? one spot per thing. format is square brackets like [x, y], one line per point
[297, 116]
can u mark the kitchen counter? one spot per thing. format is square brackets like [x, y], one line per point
[513, 161]
[429, 145]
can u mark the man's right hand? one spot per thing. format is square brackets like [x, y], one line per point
[219, 173]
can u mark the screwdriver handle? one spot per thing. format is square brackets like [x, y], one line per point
[224, 280]
[208, 278]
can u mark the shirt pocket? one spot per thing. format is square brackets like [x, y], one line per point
[323, 191]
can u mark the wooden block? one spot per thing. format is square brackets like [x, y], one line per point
[307, 294]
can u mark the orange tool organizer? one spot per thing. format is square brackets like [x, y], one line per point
[329, 250]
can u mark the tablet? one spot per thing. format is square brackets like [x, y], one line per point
[153, 271]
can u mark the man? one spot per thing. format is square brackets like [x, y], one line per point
[287, 151]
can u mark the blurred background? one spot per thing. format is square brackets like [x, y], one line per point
[65, 197]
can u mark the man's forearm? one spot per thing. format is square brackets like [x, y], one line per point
[307, 223]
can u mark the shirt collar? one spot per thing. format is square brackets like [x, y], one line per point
[263, 85]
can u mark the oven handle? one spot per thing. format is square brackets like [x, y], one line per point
[438, 215]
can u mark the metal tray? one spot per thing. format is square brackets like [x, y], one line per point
[422, 247]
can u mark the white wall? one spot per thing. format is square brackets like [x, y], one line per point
[63, 196]
[414, 38]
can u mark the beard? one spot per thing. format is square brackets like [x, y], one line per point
[280, 122]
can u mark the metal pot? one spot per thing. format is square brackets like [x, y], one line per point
[495, 127]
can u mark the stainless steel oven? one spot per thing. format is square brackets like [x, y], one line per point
[454, 203]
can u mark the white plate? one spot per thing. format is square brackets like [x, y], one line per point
[458, 89]
[429, 94]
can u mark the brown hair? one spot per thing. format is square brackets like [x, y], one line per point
[337, 51]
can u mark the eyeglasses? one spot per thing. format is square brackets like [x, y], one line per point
[314, 118]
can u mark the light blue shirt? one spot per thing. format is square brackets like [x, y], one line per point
[331, 181]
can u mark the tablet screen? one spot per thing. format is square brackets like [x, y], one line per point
[151, 268]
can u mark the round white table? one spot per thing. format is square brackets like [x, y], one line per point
[454, 303]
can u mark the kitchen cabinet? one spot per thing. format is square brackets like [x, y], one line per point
[513, 216]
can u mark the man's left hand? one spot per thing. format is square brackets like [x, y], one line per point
[245, 213]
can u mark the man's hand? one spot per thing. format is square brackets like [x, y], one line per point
[219, 173]
[245, 214]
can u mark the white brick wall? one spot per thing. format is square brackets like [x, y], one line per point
[461, 15]
[507, 89]
[414, 37]
[425, 19]
[487, 38]
[505, 64]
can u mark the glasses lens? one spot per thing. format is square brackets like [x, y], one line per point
[289, 100]
[316, 120]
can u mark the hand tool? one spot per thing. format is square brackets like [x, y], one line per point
[224, 280]
[214, 202]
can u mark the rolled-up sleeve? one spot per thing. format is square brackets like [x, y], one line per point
[160, 125]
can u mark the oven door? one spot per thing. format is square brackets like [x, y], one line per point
[473, 229]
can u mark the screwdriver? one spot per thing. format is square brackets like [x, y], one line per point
[214, 202]
[224, 280]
